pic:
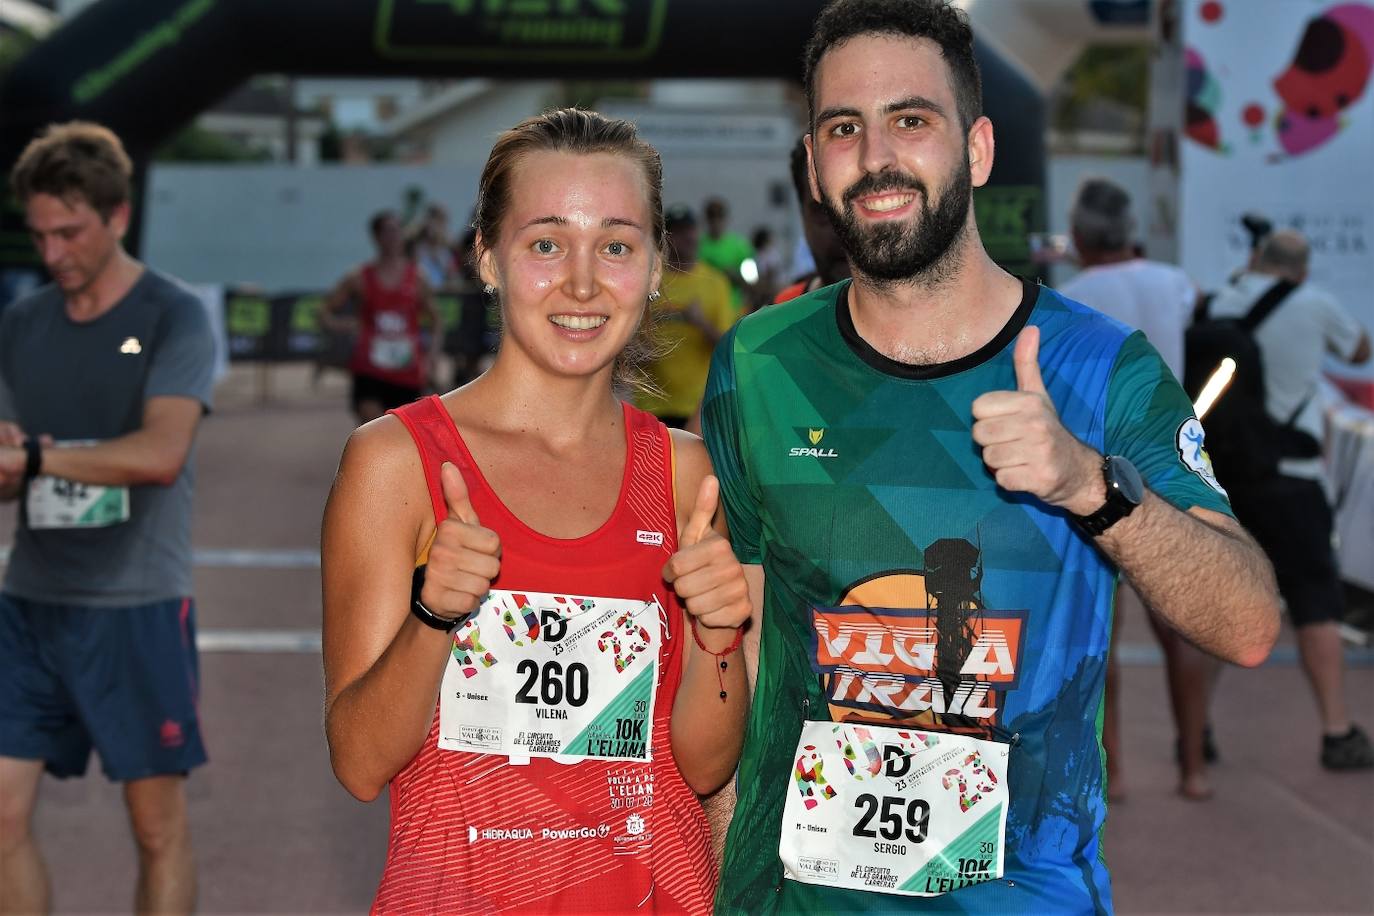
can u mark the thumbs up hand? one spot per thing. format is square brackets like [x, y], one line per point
[464, 557]
[705, 573]
[1026, 447]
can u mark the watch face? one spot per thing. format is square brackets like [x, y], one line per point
[1122, 475]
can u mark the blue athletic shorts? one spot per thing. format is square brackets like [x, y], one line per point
[122, 680]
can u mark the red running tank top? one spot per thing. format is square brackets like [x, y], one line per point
[475, 833]
[388, 346]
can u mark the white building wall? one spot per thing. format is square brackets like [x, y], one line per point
[279, 227]
[353, 103]
[718, 93]
[466, 139]
[286, 228]
[301, 228]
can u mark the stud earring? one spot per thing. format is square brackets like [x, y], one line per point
[489, 290]
[655, 296]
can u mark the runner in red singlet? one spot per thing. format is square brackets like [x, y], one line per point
[389, 365]
[547, 695]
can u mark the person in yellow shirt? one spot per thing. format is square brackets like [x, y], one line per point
[693, 313]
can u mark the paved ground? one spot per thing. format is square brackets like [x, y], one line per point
[276, 834]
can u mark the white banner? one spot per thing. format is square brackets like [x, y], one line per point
[1280, 122]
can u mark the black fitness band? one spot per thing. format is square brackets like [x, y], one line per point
[424, 614]
[33, 465]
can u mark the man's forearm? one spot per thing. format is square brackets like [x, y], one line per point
[131, 460]
[1211, 582]
[1198, 569]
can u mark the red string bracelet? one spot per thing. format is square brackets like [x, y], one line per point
[728, 650]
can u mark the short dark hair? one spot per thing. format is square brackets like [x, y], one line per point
[677, 215]
[934, 19]
[374, 225]
[1101, 215]
[77, 159]
[801, 172]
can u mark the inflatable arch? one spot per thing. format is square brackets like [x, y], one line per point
[145, 68]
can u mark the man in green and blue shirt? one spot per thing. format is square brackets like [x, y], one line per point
[934, 472]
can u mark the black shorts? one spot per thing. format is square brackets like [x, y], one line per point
[390, 396]
[1292, 521]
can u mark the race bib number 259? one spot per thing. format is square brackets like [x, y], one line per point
[894, 811]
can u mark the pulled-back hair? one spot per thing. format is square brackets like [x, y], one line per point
[563, 130]
[934, 19]
[577, 132]
[77, 159]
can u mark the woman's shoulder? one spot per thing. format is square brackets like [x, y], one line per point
[380, 486]
[690, 462]
[689, 448]
[383, 449]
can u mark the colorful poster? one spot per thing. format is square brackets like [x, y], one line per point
[1279, 120]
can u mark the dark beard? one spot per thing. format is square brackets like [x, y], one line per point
[902, 251]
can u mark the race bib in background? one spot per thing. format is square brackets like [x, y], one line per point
[53, 503]
[391, 352]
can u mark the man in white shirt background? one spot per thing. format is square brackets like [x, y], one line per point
[1288, 513]
[1158, 300]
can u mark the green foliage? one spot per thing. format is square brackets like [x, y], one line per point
[195, 144]
[1117, 73]
[14, 44]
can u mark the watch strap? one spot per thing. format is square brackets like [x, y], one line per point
[1114, 509]
[33, 458]
[1101, 520]
[424, 614]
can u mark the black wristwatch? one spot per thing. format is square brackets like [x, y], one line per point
[33, 458]
[424, 614]
[1125, 490]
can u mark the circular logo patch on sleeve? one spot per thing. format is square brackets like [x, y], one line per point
[1192, 450]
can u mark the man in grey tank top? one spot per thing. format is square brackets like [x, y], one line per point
[104, 376]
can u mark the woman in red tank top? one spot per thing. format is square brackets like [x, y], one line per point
[530, 617]
[390, 366]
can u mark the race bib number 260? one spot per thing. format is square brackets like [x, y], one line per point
[545, 675]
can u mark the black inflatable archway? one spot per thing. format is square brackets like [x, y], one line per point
[145, 68]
